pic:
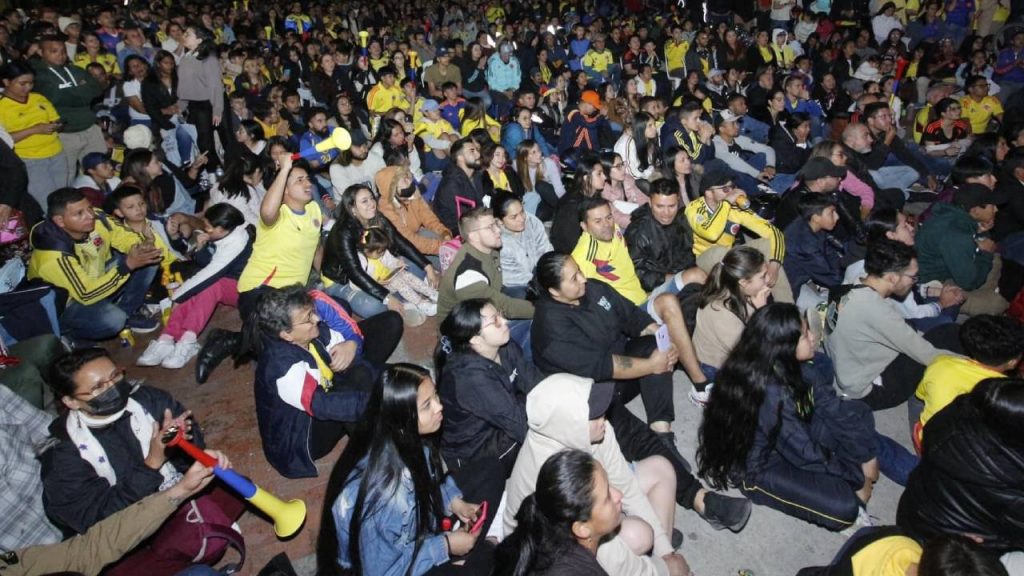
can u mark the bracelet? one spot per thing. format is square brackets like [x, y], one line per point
[447, 544]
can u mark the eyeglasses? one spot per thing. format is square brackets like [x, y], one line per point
[312, 318]
[102, 385]
[492, 226]
[489, 320]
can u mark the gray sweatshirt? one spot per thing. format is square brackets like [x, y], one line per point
[868, 335]
[201, 80]
[521, 251]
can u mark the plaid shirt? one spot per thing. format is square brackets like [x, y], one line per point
[22, 520]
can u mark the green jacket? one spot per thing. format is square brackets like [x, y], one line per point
[473, 274]
[946, 249]
[71, 90]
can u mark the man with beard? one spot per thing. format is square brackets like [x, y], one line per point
[461, 188]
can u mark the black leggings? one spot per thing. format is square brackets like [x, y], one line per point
[637, 441]
[200, 114]
[818, 498]
[381, 335]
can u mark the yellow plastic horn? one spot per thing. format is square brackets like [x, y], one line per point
[287, 516]
[363, 37]
[412, 59]
[339, 139]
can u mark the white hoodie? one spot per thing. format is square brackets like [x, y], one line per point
[557, 411]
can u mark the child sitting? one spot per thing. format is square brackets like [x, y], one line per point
[437, 134]
[993, 344]
[129, 205]
[813, 255]
[389, 271]
[222, 250]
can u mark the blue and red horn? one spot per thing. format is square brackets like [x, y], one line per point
[339, 139]
[288, 516]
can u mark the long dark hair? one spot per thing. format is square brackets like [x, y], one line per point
[1000, 401]
[565, 495]
[647, 151]
[457, 329]
[207, 47]
[548, 273]
[740, 263]
[764, 356]
[346, 205]
[585, 165]
[135, 163]
[233, 184]
[396, 447]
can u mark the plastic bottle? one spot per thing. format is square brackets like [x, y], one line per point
[741, 202]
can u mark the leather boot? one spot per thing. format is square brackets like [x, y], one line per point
[219, 345]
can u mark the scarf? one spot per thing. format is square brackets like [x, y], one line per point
[79, 427]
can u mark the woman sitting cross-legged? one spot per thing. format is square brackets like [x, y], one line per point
[389, 512]
[224, 249]
[561, 524]
[785, 442]
[316, 368]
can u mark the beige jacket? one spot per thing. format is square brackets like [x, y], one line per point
[556, 411]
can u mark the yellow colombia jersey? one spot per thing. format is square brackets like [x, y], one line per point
[719, 227]
[435, 129]
[381, 98]
[108, 61]
[283, 253]
[675, 53]
[15, 117]
[948, 377]
[886, 557]
[610, 263]
[598, 61]
[979, 113]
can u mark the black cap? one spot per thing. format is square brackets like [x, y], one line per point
[974, 195]
[601, 394]
[358, 138]
[819, 167]
[716, 173]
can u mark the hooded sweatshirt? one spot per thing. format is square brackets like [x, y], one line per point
[410, 216]
[556, 412]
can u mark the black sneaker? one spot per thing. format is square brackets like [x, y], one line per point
[722, 511]
[677, 539]
[140, 324]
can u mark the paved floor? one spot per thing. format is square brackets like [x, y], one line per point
[771, 545]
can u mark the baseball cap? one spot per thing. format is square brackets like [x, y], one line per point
[93, 159]
[974, 195]
[429, 105]
[591, 97]
[817, 168]
[358, 138]
[442, 51]
[726, 115]
[716, 72]
[716, 173]
[601, 394]
[63, 22]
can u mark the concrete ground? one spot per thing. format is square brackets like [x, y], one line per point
[771, 545]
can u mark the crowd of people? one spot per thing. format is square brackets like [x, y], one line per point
[812, 211]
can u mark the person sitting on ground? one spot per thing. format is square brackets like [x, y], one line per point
[523, 241]
[622, 190]
[316, 367]
[979, 432]
[73, 250]
[222, 249]
[602, 255]
[787, 443]
[110, 454]
[753, 164]
[377, 260]
[483, 379]
[97, 178]
[566, 411]
[437, 134]
[475, 272]
[879, 358]
[585, 130]
[954, 244]
[388, 514]
[939, 304]
[585, 329]
[461, 187]
[875, 550]
[813, 256]
[560, 526]
[589, 182]
[403, 205]
[718, 216]
[993, 345]
[241, 187]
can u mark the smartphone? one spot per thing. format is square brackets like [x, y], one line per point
[662, 338]
[480, 518]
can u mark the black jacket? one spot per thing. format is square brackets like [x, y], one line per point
[485, 404]
[581, 339]
[565, 228]
[341, 255]
[847, 206]
[789, 158]
[14, 185]
[658, 250]
[455, 187]
[1010, 218]
[969, 481]
[76, 497]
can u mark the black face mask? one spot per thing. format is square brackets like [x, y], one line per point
[112, 400]
[407, 193]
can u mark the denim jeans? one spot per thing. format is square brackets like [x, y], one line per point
[746, 182]
[901, 177]
[362, 303]
[782, 182]
[106, 318]
[895, 461]
[520, 332]
[754, 129]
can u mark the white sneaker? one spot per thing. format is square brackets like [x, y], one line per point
[156, 352]
[412, 315]
[698, 398]
[428, 308]
[185, 350]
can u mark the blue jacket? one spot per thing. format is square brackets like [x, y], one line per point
[387, 536]
[811, 256]
[583, 133]
[289, 393]
[577, 48]
[513, 134]
[502, 76]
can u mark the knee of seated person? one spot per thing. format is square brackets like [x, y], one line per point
[667, 306]
[660, 469]
[637, 534]
[693, 275]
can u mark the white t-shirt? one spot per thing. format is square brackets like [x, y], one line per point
[134, 88]
[344, 176]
